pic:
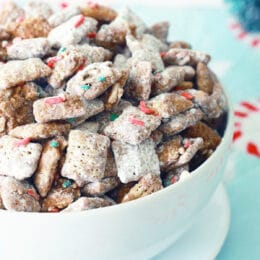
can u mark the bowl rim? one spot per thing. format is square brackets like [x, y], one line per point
[225, 141]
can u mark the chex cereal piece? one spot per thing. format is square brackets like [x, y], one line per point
[173, 175]
[89, 126]
[92, 107]
[189, 72]
[72, 31]
[211, 138]
[99, 12]
[146, 48]
[37, 9]
[169, 104]
[4, 35]
[94, 54]
[47, 168]
[185, 85]
[16, 106]
[132, 126]
[86, 157]
[180, 122]
[19, 196]
[140, 81]
[32, 27]
[87, 203]
[94, 80]
[18, 159]
[166, 80]
[9, 14]
[169, 152]
[204, 78]
[160, 30]
[101, 187]
[135, 161]
[60, 196]
[57, 108]
[14, 73]
[185, 57]
[113, 95]
[38, 131]
[146, 185]
[68, 61]
[194, 144]
[120, 191]
[212, 106]
[63, 15]
[191, 146]
[28, 48]
[179, 45]
[115, 33]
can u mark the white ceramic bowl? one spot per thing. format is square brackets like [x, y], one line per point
[135, 230]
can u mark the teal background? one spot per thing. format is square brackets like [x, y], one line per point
[208, 30]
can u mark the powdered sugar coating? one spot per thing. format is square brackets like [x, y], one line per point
[20, 162]
[68, 33]
[14, 73]
[28, 48]
[135, 161]
[123, 130]
[86, 157]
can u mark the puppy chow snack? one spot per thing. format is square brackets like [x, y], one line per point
[19, 157]
[98, 108]
[32, 27]
[72, 31]
[86, 157]
[135, 161]
[28, 48]
[94, 80]
[17, 72]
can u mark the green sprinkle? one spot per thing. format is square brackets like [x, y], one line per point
[113, 117]
[62, 50]
[54, 144]
[66, 184]
[157, 71]
[71, 120]
[102, 79]
[85, 87]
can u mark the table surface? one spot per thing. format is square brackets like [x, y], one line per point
[205, 25]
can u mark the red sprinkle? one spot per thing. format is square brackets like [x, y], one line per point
[64, 5]
[173, 180]
[82, 66]
[253, 149]
[92, 4]
[255, 42]
[54, 100]
[187, 95]
[32, 193]
[186, 143]
[80, 21]
[91, 35]
[242, 35]
[236, 135]
[163, 54]
[146, 110]
[20, 19]
[135, 121]
[22, 142]
[249, 106]
[240, 114]
[52, 61]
